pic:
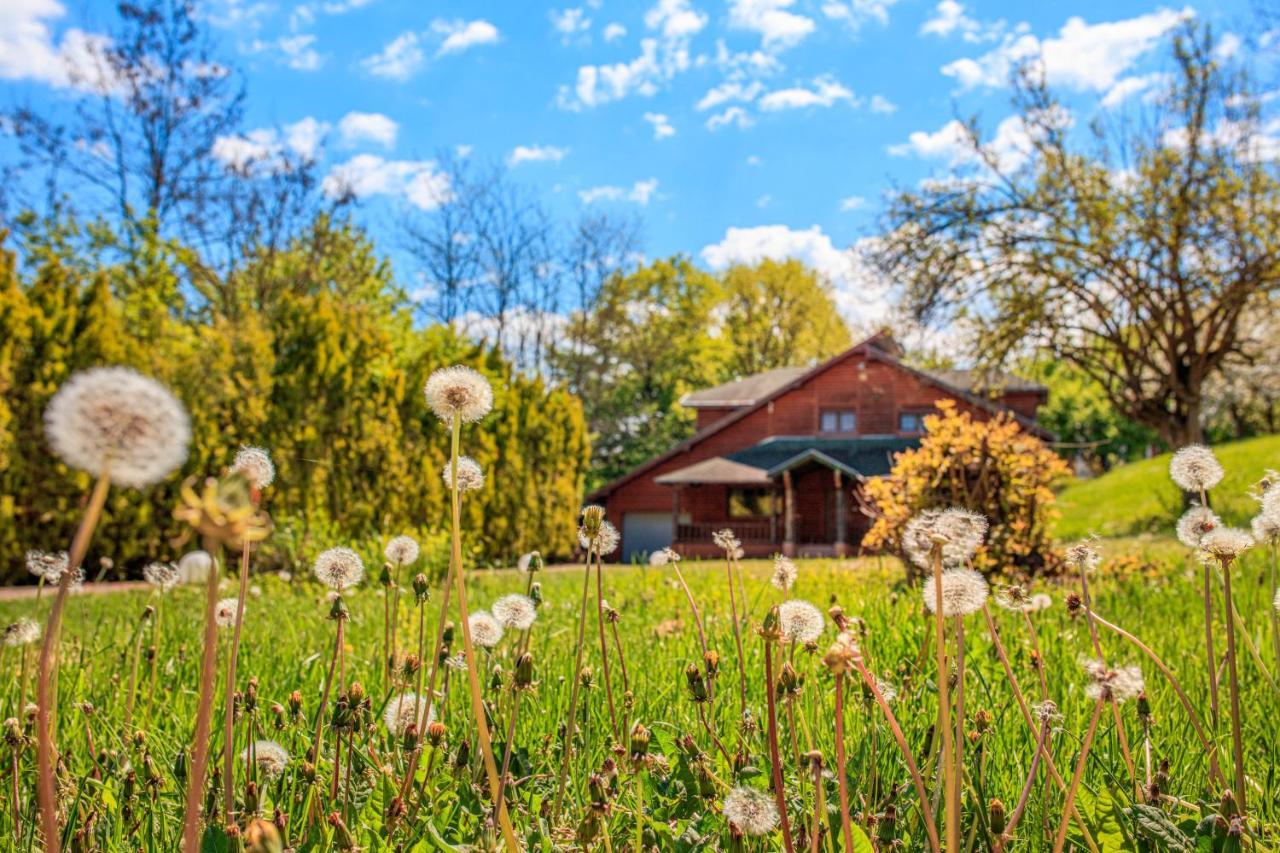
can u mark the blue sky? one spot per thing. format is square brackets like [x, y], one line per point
[735, 129]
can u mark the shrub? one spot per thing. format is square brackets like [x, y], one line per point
[992, 467]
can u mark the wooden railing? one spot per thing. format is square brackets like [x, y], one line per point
[746, 531]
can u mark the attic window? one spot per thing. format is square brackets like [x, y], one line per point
[911, 423]
[838, 420]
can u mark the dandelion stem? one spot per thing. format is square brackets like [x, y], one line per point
[571, 717]
[229, 704]
[1061, 837]
[204, 715]
[952, 817]
[846, 820]
[1212, 661]
[1025, 796]
[1233, 683]
[819, 808]
[604, 648]
[1273, 610]
[133, 675]
[957, 776]
[737, 639]
[46, 749]
[775, 759]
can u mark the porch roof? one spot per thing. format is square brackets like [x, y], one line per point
[717, 470]
[859, 457]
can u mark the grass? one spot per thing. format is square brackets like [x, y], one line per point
[1140, 498]
[287, 637]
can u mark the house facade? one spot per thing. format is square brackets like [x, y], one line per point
[781, 457]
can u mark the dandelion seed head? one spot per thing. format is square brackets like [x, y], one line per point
[163, 576]
[887, 691]
[486, 631]
[530, 562]
[1013, 597]
[515, 611]
[457, 662]
[116, 421]
[224, 612]
[727, 540]
[270, 757]
[1046, 711]
[339, 568]
[784, 573]
[254, 464]
[1194, 468]
[195, 566]
[1084, 556]
[605, 541]
[21, 633]
[751, 810]
[1270, 499]
[459, 391]
[1039, 601]
[799, 621]
[1265, 527]
[663, 557]
[964, 591]
[470, 474]
[401, 550]
[1195, 523]
[1226, 543]
[48, 564]
[406, 709]
[957, 532]
[1112, 684]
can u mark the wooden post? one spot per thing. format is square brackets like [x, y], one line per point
[842, 520]
[675, 515]
[788, 516]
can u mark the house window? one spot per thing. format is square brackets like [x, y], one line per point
[838, 420]
[911, 423]
[750, 503]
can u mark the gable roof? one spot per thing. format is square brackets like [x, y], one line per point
[858, 457]
[879, 346]
[744, 391]
[977, 381]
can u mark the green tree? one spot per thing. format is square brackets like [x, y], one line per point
[779, 314]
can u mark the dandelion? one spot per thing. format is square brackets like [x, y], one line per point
[1039, 601]
[401, 550]
[530, 562]
[799, 621]
[47, 565]
[964, 591]
[224, 613]
[457, 663]
[1270, 498]
[1265, 527]
[269, 757]
[1194, 468]
[1046, 711]
[604, 541]
[470, 475]
[405, 710]
[751, 810]
[1226, 543]
[486, 631]
[1084, 556]
[458, 392]
[194, 567]
[1112, 684]
[162, 576]
[784, 573]
[1013, 597]
[339, 568]
[727, 540]
[958, 533]
[515, 611]
[1195, 523]
[254, 464]
[663, 557]
[21, 633]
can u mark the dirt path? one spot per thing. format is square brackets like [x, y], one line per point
[18, 593]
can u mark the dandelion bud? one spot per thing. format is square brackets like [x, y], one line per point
[342, 838]
[180, 766]
[640, 737]
[592, 517]
[1227, 806]
[495, 678]
[139, 738]
[384, 577]
[13, 733]
[814, 757]
[789, 682]
[706, 783]
[278, 820]
[260, 836]
[409, 737]
[251, 797]
[628, 700]
[771, 629]
[309, 772]
[295, 704]
[741, 759]
[711, 662]
[462, 757]
[596, 789]
[836, 614]
[148, 613]
[338, 610]
[421, 589]
[983, 720]
[151, 772]
[996, 816]
[535, 593]
[447, 634]
[530, 562]
[435, 732]
[697, 687]
[887, 827]
[586, 677]
[1144, 708]
[524, 671]
[1074, 604]
[689, 747]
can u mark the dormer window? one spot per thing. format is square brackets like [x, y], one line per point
[911, 423]
[838, 420]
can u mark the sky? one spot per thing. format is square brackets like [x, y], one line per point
[736, 129]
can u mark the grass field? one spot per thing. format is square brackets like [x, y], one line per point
[108, 804]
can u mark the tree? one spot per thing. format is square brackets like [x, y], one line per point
[1133, 259]
[1243, 399]
[779, 314]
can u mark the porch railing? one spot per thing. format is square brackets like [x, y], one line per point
[746, 531]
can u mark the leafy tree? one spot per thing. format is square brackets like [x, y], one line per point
[779, 314]
[1132, 259]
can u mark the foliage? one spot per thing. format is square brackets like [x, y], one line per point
[1133, 258]
[317, 362]
[991, 467]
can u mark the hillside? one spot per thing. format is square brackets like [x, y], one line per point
[1139, 497]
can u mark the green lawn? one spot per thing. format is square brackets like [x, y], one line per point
[1140, 498]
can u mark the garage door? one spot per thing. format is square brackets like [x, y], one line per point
[643, 533]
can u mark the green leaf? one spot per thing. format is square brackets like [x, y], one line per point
[861, 843]
[1155, 825]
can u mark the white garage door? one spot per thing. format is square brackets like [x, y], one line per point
[643, 533]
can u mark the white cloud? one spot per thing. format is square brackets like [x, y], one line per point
[464, 151]
[418, 181]
[28, 51]
[374, 127]
[732, 117]
[1082, 56]
[304, 136]
[614, 31]
[402, 56]
[675, 19]
[1127, 87]
[855, 13]
[949, 143]
[570, 22]
[661, 125]
[853, 202]
[949, 18]
[826, 92]
[299, 54]
[730, 90]
[261, 151]
[881, 104]
[861, 295]
[639, 193]
[535, 154]
[1012, 143]
[778, 28]
[460, 35]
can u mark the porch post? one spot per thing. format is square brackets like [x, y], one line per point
[675, 516]
[842, 521]
[789, 516]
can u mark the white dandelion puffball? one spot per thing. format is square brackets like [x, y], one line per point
[1194, 468]
[163, 576]
[527, 561]
[406, 709]
[401, 550]
[1270, 500]
[1226, 543]
[485, 630]
[115, 421]
[194, 567]
[663, 557]
[604, 543]
[48, 565]
[470, 475]
[751, 810]
[224, 612]
[270, 757]
[727, 540]
[799, 621]
[1265, 527]
[456, 662]
[459, 392]
[784, 573]
[958, 533]
[1115, 685]
[254, 464]
[964, 591]
[515, 611]
[1195, 523]
[21, 633]
[1039, 601]
[1084, 556]
[339, 568]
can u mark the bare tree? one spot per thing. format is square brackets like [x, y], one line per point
[442, 243]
